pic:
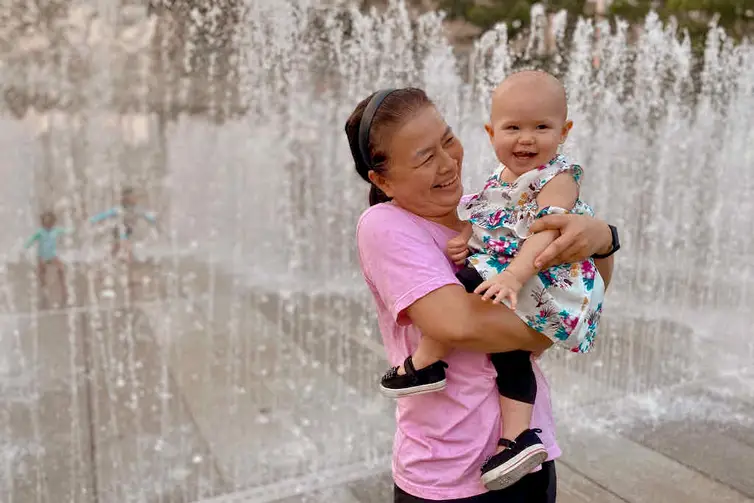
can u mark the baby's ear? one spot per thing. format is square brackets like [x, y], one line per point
[490, 131]
[566, 129]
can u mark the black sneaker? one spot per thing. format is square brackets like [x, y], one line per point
[413, 382]
[518, 459]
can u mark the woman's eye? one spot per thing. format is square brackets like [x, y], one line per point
[428, 159]
[450, 140]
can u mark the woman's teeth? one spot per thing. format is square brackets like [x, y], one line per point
[448, 184]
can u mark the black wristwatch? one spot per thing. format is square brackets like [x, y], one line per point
[615, 247]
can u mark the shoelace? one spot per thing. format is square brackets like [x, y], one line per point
[392, 373]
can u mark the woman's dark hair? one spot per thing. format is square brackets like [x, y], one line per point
[396, 107]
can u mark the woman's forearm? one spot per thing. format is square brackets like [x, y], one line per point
[464, 321]
[493, 328]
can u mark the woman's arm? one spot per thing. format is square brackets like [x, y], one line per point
[414, 280]
[465, 321]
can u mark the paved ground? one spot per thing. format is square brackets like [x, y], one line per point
[189, 386]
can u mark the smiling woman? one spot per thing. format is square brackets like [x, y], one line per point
[426, 157]
[426, 167]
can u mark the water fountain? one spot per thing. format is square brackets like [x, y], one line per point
[232, 358]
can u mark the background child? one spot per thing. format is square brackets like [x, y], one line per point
[528, 123]
[46, 238]
[127, 214]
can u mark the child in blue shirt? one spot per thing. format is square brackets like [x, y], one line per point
[126, 214]
[46, 238]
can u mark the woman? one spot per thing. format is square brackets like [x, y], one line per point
[402, 146]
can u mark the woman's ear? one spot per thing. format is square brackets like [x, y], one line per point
[381, 182]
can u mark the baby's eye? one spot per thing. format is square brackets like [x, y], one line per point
[512, 128]
[450, 140]
[543, 126]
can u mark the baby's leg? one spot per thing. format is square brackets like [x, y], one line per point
[422, 372]
[428, 352]
[518, 390]
[520, 449]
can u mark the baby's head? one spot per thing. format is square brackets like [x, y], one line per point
[128, 197]
[529, 119]
[47, 219]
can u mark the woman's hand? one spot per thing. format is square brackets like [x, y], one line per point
[581, 236]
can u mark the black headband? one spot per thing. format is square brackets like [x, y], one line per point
[366, 124]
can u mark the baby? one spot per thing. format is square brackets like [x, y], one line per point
[528, 123]
[46, 238]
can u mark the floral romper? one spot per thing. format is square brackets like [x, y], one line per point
[563, 302]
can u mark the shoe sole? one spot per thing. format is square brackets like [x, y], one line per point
[511, 472]
[414, 390]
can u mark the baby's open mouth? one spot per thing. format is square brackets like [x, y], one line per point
[525, 155]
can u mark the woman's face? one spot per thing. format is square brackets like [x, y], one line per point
[423, 172]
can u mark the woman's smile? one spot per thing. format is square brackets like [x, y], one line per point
[450, 184]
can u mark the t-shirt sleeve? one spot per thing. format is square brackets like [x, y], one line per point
[401, 260]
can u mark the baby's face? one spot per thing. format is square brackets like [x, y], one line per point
[526, 126]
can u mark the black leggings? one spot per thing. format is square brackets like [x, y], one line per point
[515, 376]
[537, 487]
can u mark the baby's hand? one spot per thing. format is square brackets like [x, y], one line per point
[501, 286]
[458, 248]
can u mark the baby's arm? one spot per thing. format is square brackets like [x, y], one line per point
[562, 191]
[458, 248]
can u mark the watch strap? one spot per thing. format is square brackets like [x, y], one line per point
[615, 245]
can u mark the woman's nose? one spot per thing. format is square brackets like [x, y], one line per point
[448, 162]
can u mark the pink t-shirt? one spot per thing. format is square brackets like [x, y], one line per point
[442, 438]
